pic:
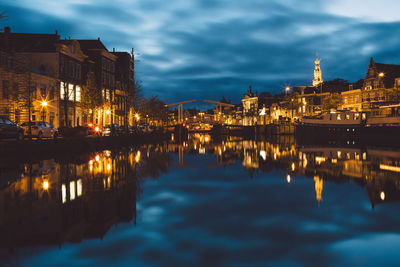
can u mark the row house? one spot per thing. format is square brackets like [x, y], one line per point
[125, 88]
[103, 66]
[380, 81]
[43, 76]
[53, 75]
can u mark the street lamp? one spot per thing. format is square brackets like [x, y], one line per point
[44, 105]
[287, 89]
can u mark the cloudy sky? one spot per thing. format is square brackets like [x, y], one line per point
[206, 49]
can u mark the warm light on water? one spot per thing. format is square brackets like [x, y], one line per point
[211, 203]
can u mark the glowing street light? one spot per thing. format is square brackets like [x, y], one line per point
[44, 105]
[45, 185]
[381, 74]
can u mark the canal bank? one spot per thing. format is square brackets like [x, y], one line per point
[54, 147]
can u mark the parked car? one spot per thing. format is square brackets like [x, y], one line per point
[8, 129]
[133, 129]
[112, 129]
[40, 129]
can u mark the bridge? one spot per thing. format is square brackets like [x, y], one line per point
[221, 113]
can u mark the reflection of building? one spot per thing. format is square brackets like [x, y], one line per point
[319, 185]
[56, 202]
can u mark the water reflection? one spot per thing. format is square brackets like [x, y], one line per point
[57, 201]
[52, 202]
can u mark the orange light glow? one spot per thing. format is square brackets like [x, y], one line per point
[45, 185]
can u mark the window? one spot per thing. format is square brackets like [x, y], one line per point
[43, 91]
[33, 90]
[62, 65]
[51, 93]
[78, 71]
[347, 116]
[78, 93]
[338, 117]
[15, 91]
[70, 92]
[356, 116]
[51, 119]
[62, 90]
[71, 69]
[6, 85]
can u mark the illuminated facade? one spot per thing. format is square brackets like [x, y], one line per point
[250, 108]
[317, 73]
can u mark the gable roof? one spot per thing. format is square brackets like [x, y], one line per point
[390, 72]
[91, 44]
[29, 42]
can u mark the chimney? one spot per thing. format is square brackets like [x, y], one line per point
[114, 49]
[69, 37]
[7, 29]
[98, 38]
[56, 32]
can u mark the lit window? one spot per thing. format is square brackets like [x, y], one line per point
[78, 93]
[64, 193]
[62, 90]
[347, 116]
[70, 92]
[356, 116]
[338, 117]
[79, 187]
[72, 190]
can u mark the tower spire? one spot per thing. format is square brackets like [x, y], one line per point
[317, 73]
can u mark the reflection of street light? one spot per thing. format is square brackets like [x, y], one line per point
[44, 105]
[108, 112]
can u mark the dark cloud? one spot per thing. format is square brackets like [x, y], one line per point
[197, 49]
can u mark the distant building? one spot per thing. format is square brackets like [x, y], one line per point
[380, 79]
[250, 108]
[317, 73]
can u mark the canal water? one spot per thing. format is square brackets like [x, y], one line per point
[204, 202]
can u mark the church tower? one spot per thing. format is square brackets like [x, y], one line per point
[317, 74]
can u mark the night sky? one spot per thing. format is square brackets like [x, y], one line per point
[192, 49]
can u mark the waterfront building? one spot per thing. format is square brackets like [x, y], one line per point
[125, 88]
[250, 108]
[104, 71]
[48, 56]
[380, 81]
[351, 100]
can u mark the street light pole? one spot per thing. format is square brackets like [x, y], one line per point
[44, 105]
